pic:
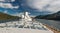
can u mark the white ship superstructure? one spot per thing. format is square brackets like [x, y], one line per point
[26, 16]
[25, 25]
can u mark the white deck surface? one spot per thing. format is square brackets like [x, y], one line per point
[34, 27]
[20, 30]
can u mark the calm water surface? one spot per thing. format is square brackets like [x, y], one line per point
[55, 24]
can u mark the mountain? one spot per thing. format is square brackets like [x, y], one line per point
[4, 16]
[55, 16]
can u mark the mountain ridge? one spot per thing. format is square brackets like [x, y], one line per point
[55, 16]
[4, 16]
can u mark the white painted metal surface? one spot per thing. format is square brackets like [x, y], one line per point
[19, 30]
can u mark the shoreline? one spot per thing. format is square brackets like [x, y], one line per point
[52, 29]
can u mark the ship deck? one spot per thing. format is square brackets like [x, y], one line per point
[23, 27]
[24, 30]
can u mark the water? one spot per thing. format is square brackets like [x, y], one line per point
[55, 24]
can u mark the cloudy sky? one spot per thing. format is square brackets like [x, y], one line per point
[35, 7]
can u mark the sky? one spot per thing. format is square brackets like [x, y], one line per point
[35, 7]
